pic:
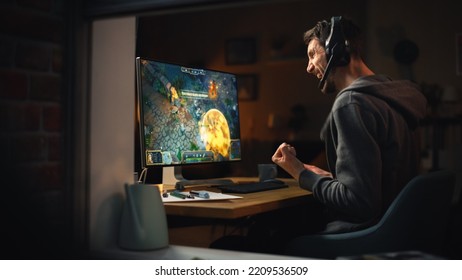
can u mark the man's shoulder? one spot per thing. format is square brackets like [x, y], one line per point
[352, 96]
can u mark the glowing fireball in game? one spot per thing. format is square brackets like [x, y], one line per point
[214, 131]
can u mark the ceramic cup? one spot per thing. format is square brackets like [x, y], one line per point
[267, 171]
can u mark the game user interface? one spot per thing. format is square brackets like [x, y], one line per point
[187, 115]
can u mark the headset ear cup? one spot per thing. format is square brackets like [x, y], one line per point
[337, 49]
[336, 45]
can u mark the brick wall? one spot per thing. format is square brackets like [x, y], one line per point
[32, 141]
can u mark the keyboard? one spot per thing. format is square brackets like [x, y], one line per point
[252, 187]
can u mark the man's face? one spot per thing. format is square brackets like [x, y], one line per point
[317, 63]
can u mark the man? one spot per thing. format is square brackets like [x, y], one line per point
[370, 134]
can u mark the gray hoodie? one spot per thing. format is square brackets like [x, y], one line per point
[372, 149]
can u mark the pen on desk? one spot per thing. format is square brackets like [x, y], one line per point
[179, 195]
[201, 194]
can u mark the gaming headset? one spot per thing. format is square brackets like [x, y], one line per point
[337, 49]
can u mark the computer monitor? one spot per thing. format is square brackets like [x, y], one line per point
[187, 116]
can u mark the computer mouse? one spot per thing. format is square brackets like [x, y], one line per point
[274, 181]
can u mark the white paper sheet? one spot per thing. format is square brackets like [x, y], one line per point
[213, 196]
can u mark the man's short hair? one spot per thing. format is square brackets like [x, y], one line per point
[321, 32]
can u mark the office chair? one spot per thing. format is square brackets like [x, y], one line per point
[416, 220]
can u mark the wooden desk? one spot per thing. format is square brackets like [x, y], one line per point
[249, 204]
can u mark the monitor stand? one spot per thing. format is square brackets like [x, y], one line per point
[173, 176]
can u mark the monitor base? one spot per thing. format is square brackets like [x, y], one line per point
[172, 176]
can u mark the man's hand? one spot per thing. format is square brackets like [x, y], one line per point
[285, 157]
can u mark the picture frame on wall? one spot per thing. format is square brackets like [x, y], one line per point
[241, 51]
[247, 86]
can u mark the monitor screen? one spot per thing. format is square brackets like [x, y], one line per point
[187, 115]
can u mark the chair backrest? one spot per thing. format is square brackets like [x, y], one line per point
[419, 215]
[416, 220]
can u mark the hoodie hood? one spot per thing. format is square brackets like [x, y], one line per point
[408, 100]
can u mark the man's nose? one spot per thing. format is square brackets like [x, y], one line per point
[310, 68]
